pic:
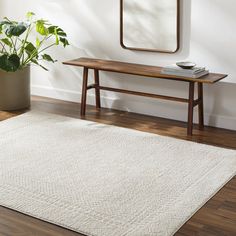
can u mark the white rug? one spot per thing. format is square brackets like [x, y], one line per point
[103, 180]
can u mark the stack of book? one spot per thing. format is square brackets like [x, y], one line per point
[195, 72]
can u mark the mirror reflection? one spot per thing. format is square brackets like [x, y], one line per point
[150, 25]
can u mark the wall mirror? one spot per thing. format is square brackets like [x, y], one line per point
[150, 25]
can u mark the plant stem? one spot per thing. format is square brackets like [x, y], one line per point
[47, 48]
[15, 45]
[33, 54]
[13, 49]
[3, 47]
[24, 42]
[44, 39]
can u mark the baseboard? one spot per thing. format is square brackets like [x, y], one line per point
[133, 106]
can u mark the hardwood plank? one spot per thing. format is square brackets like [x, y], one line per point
[138, 69]
[217, 217]
[15, 223]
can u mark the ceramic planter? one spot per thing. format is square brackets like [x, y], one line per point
[15, 90]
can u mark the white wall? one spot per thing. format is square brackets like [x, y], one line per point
[93, 29]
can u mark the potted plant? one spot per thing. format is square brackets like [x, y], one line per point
[23, 44]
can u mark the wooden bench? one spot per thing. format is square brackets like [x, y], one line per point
[148, 71]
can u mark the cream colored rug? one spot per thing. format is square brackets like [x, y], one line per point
[102, 180]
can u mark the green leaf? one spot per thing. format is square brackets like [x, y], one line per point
[15, 61]
[30, 49]
[15, 29]
[56, 30]
[29, 15]
[2, 23]
[52, 29]
[64, 41]
[60, 32]
[56, 35]
[36, 62]
[41, 28]
[7, 42]
[47, 57]
[38, 42]
[9, 63]
[9, 21]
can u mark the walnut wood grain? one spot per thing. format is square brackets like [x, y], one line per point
[142, 70]
[138, 69]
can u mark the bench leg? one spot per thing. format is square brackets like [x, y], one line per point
[190, 108]
[97, 90]
[200, 106]
[84, 92]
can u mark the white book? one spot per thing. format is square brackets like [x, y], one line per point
[175, 68]
[183, 73]
[193, 76]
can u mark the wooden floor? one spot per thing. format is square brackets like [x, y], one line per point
[216, 218]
